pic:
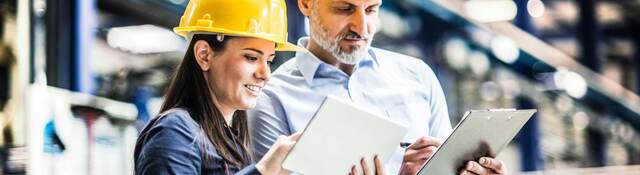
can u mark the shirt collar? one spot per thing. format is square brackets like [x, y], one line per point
[308, 63]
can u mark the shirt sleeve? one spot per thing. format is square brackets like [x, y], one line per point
[439, 124]
[170, 149]
[267, 121]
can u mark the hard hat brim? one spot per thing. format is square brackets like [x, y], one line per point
[290, 47]
[282, 45]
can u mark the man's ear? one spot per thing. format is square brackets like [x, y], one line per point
[202, 51]
[305, 6]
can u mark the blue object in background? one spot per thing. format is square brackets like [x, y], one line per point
[52, 143]
[85, 24]
[141, 97]
[529, 136]
[529, 139]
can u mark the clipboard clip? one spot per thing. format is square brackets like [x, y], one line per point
[503, 109]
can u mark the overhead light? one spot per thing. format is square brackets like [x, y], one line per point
[455, 52]
[479, 63]
[505, 49]
[580, 120]
[144, 39]
[39, 7]
[394, 25]
[535, 8]
[574, 84]
[491, 10]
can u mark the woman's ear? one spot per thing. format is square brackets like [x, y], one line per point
[202, 51]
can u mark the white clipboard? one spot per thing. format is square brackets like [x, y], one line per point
[339, 135]
[480, 133]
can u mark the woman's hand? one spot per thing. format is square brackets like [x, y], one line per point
[485, 165]
[365, 167]
[271, 163]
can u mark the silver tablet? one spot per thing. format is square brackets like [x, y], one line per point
[480, 133]
[339, 135]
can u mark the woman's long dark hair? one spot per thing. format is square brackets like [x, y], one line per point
[189, 90]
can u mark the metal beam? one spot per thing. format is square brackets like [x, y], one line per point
[588, 34]
[150, 11]
[59, 42]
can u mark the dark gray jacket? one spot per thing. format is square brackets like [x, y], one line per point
[168, 145]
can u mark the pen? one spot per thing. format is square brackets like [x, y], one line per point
[404, 144]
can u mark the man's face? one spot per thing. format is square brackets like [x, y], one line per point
[344, 28]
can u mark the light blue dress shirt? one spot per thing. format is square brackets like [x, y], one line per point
[400, 87]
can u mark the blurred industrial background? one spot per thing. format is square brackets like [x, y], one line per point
[78, 78]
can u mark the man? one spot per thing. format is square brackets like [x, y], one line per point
[341, 62]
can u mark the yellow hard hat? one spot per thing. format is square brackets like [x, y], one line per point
[264, 19]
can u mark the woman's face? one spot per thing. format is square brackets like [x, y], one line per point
[239, 72]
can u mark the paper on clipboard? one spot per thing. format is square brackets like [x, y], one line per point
[480, 133]
[339, 135]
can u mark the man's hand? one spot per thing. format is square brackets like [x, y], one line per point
[418, 153]
[484, 165]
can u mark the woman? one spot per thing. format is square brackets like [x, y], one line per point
[202, 128]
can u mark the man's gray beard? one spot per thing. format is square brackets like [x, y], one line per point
[333, 47]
